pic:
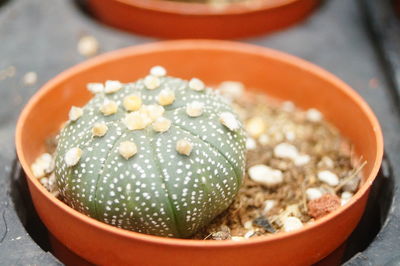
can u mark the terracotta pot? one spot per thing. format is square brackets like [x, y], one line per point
[168, 19]
[264, 70]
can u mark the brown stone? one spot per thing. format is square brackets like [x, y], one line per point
[323, 205]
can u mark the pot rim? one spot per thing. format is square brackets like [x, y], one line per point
[199, 45]
[201, 9]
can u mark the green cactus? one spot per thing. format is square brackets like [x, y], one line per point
[168, 171]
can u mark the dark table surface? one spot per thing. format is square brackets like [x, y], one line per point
[42, 36]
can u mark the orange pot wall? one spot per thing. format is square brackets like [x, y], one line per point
[170, 19]
[274, 73]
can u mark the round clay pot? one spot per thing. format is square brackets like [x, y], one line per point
[169, 19]
[277, 74]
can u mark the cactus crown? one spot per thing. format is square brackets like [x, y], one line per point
[161, 156]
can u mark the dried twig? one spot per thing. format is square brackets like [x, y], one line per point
[351, 177]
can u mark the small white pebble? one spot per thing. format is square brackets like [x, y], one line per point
[72, 156]
[301, 160]
[292, 223]
[286, 150]
[95, 87]
[265, 175]
[196, 84]
[345, 197]
[268, 205]
[45, 182]
[326, 162]
[290, 135]
[263, 139]
[132, 102]
[166, 97]
[251, 144]
[37, 170]
[88, 46]
[288, 106]
[152, 82]
[313, 193]
[158, 71]
[136, 120]
[112, 86]
[161, 124]
[328, 177]
[229, 120]
[231, 89]
[75, 113]
[195, 109]
[248, 225]
[184, 147]
[249, 234]
[43, 165]
[237, 238]
[99, 129]
[127, 149]
[313, 115]
[30, 78]
[108, 107]
[256, 126]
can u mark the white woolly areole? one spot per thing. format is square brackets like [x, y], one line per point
[166, 97]
[229, 120]
[136, 120]
[73, 156]
[112, 86]
[195, 109]
[127, 149]
[95, 87]
[158, 71]
[109, 107]
[152, 82]
[161, 124]
[75, 113]
[184, 147]
[99, 129]
[196, 84]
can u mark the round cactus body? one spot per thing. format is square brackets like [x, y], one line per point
[160, 156]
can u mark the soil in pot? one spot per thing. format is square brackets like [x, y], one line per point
[312, 169]
[298, 169]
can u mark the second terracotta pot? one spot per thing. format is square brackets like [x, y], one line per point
[171, 19]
